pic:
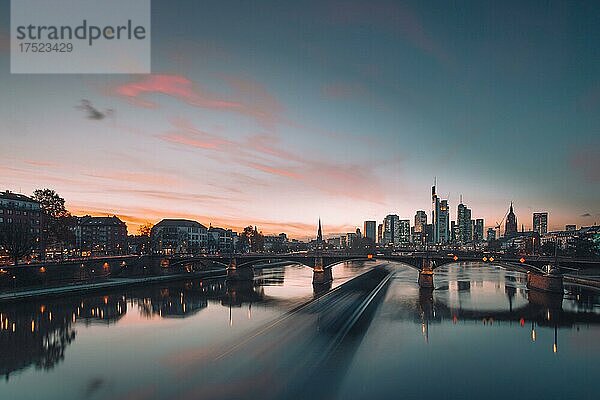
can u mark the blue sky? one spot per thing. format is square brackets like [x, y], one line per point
[276, 113]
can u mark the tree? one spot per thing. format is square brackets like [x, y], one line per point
[59, 222]
[251, 239]
[257, 241]
[145, 230]
[143, 238]
[17, 240]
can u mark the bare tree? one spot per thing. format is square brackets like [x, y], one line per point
[17, 240]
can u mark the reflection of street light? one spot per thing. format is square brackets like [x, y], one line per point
[555, 345]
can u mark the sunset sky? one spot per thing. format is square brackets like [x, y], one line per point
[276, 113]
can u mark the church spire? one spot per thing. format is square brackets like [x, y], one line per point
[320, 232]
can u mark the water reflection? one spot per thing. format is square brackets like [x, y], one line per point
[37, 333]
[220, 316]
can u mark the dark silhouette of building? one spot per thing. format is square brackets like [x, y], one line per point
[178, 236]
[101, 235]
[510, 228]
[320, 233]
[371, 230]
[23, 210]
[540, 222]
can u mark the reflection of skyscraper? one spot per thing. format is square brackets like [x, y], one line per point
[370, 230]
[510, 228]
[540, 222]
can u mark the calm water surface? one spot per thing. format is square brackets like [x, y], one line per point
[479, 333]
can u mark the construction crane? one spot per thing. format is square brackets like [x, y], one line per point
[499, 224]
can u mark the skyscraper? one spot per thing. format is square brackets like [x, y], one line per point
[478, 232]
[371, 230]
[463, 221]
[510, 228]
[443, 223]
[491, 234]
[391, 230]
[420, 221]
[540, 222]
[435, 211]
[453, 232]
[404, 231]
[440, 218]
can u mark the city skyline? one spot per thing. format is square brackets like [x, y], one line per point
[339, 110]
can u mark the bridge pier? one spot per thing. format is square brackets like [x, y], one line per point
[318, 264]
[239, 274]
[426, 274]
[323, 276]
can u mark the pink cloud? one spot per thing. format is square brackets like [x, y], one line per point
[265, 153]
[273, 170]
[251, 98]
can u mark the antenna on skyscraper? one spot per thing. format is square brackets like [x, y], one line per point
[461, 199]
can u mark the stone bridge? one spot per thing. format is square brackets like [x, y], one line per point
[543, 272]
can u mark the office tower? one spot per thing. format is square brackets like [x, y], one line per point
[491, 234]
[371, 230]
[463, 221]
[351, 239]
[435, 211]
[420, 221]
[391, 230]
[440, 218]
[443, 223]
[540, 222]
[380, 233]
[428, 234]
[510, 228]
[478, 231]
[453, 232]
[404, 231]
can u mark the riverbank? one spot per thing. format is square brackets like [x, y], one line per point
[111, 283]
[114, 283]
